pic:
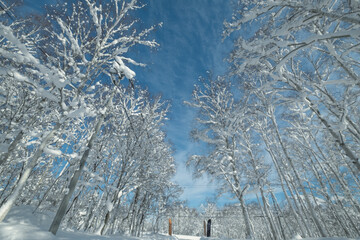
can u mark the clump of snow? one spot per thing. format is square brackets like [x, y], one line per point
[51, 151]
[109, 206]
[296, 237]
[120, 67]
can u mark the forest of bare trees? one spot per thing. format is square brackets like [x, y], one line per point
[79, 137]
[285, 121]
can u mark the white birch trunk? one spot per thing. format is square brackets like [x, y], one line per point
[248, 227]
[65, 201]
[323, 232]
[348, 152]
[266, 220]
[273, 227]
[12, 147]
[278, 210]
[6, 207]
[304, 231]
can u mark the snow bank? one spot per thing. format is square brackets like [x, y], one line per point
[22, 224]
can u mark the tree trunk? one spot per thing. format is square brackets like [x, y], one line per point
[278, 210]
[248, 228]
[5, 208]
[65, 201]
[290, 161]
[266, 220]
[343, 185]
[304, 231]
[274, 230]
[12, 146]
[321, 180]
[348, 152]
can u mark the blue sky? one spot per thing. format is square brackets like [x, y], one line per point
[190, 45]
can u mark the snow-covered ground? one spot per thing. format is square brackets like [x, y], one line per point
[22, 224]
[185, 237]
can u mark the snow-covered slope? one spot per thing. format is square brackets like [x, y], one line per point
[22, 224]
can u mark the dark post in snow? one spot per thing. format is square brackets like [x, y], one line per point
[204, 228]
[208, 228]
[170, 227]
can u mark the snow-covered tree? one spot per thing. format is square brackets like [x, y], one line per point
[296, 65]
[307, 51]
[235, 157]
[71, 130]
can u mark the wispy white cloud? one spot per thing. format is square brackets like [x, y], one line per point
[196, 191]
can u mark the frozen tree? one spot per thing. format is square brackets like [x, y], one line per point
[296, 65]
[86, 57]
[24, 69]
[64, 105]
[292, 101]
[235, 157]
[306, 49]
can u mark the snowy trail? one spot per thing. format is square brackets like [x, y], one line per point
[185, 237]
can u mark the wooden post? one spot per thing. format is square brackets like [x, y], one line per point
[205, 228]
[170, 227]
